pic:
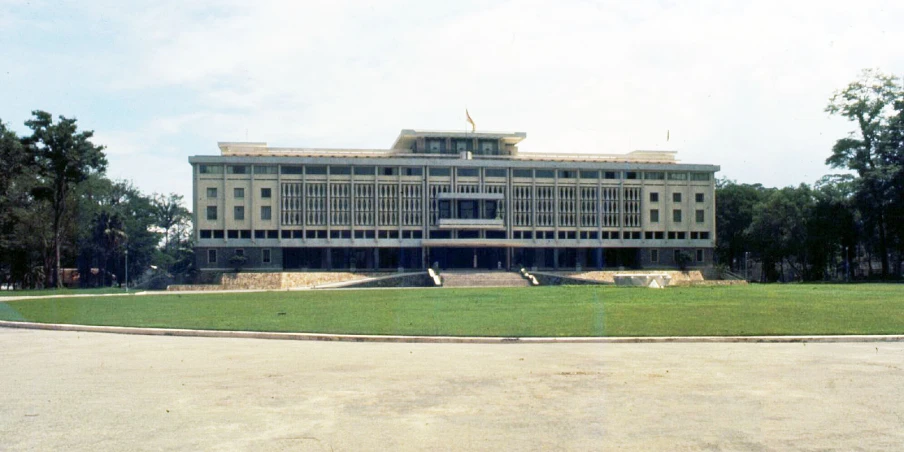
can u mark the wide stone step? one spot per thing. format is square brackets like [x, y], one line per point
[483, 279]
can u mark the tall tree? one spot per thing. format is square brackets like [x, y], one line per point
[64, 157]
[169, 215]
[868, 102]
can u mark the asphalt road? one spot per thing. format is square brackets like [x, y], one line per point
[92, 391]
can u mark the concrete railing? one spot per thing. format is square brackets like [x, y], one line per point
[531, 278]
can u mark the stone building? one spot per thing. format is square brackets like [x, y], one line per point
[452, 199]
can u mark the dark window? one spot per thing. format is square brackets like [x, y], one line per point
[232, 234]
[494, 172]
[648, 235]
[412, 171]
[523, 173]
[654, 215]
[671, 235]
[699, 255]
[210, 169]
[206, 234]
[340, 170]
[258, 169]
[240, 252]
[704, 235]
[266, 193]
[445, 209]
[211, 212]
[631, 175]
[286, 234]
[677, 176]
[467, 172]
[680, 235]
[610, 175]
[389, 171]
[265, 256]
[315, 170]
[236, 169]
[211, 256]
[266, 212]
[677, 256]
[218, 233]
[654, 256]
[590, 174]
[364, 171]
[259, 234]
[698, 197]
[467, 210]
[654, 197]
[655, 175]
[699, 176]
[676, 215]
[659, 235]
[212, 192]
[444, 172]
[545, 174]
[490, 208]
[676, 197]
[567, 174]
[701, 216]
[238, 212]
[238, 193]
[294, 170]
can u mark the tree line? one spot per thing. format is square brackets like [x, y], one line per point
[845, 226]
[59, 211]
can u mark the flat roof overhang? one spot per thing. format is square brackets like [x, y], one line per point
[452, 161]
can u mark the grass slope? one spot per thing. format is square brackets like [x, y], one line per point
[530, 311]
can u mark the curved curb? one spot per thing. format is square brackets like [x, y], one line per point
[447, 339]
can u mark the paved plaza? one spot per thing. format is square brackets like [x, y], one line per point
[93, 391]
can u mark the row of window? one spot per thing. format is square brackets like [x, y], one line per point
[266, 255]
[396, 234]
[309, 234]
[238, 213]
[676, 197]
[699, 216]
[323, 170]
[239, 193]
[267, 193]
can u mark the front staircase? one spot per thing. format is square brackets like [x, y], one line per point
[483, 279]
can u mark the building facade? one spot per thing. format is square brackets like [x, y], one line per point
[449, 199]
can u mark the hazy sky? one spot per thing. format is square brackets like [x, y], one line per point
[738, 84]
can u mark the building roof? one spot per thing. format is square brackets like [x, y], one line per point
[407, 137]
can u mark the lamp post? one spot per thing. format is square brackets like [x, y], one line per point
[127, 269]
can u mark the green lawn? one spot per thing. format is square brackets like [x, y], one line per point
[531, 311]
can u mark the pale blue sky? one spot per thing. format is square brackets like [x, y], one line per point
[739, 84]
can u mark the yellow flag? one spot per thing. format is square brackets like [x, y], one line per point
[468, 118]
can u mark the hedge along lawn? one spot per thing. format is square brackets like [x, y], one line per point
[508, 312]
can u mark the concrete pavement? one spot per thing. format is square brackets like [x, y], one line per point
[93, 391]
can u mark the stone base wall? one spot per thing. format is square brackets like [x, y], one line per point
[190, 287]
[678, 277]
[274, 280]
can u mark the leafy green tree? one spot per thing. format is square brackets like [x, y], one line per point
[869, 102]
[65, 157]
[735, 205]
[778, 231]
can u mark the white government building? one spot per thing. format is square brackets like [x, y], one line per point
[453, 199]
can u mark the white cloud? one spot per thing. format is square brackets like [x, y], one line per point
[742, 85]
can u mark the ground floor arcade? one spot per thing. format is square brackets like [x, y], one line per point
[445, 258]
